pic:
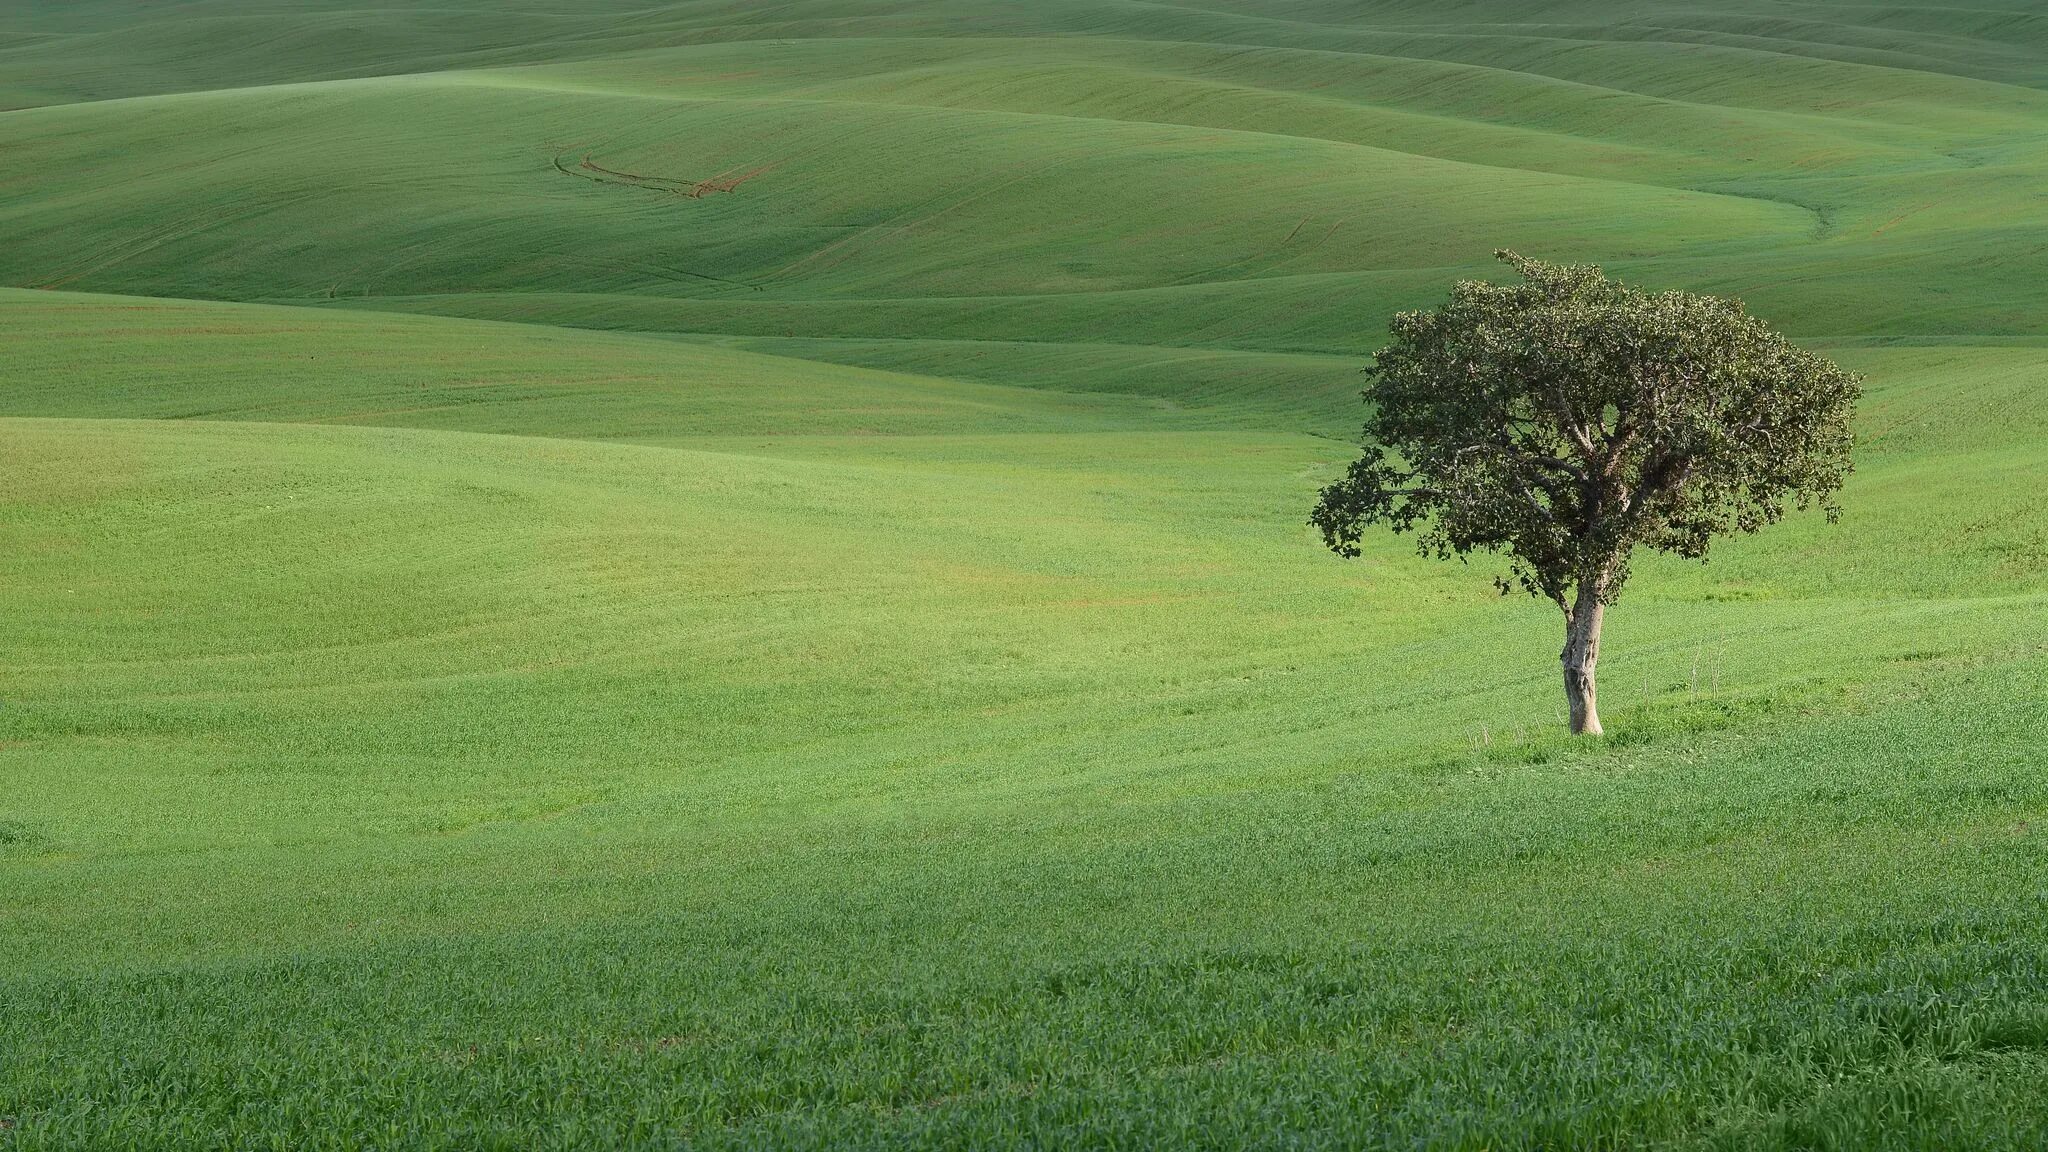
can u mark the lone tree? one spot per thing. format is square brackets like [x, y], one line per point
[1567, 419]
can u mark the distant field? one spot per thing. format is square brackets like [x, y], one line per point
[717, 575]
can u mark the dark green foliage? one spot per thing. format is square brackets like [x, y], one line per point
[1568, 419]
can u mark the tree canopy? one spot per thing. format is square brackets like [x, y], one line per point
[1564, 420]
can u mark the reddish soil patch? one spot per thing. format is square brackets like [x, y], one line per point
[725, 181]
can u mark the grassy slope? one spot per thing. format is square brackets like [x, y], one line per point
[908, 709]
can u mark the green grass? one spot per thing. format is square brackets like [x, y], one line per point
[845, 665]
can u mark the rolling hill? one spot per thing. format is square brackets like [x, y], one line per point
[721, 575]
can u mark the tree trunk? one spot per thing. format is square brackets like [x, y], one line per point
[1581, 653]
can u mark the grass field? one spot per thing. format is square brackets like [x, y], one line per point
[719, 575]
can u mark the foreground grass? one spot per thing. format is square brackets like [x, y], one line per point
[425, 787]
